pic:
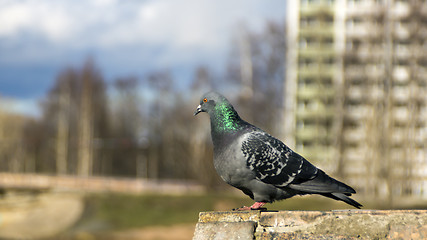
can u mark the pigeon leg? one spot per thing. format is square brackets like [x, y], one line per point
[255, 206]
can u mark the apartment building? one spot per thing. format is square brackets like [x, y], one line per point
[356, 91]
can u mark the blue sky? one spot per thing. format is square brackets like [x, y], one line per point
[124, 37]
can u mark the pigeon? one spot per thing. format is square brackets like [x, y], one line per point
[260, 165]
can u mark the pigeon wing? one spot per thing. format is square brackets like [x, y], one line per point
[275, 163]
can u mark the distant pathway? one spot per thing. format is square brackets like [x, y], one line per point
[97, 184]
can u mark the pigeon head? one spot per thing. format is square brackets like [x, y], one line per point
[222, 114]
[209, 102]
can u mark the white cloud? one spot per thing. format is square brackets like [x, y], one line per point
[181, 24]
[13, 17]
[168, 32]
[45, 18]
[124, 36]
[112, 23]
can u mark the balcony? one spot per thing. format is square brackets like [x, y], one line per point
[357, 113]
[355, 135]
[313, 133]
[317, 70]
[363, 9]
[316, 114]
[320, 9]
[355, 154]
[401, 10]
[317, 30]
[318, 154]
[366, 30]
[401, 94]
[356, 93]
[314, 92]
[401, 115]
[317, 52]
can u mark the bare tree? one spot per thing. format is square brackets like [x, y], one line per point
[130, 155]
[85, 125]
[74, 114]
[63, 121]
[261, 59]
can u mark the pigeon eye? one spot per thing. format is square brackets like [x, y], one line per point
[205, 99]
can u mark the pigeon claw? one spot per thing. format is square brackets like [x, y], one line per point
[255, 206]
[243, 208]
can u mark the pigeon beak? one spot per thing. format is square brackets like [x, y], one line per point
[198, 110]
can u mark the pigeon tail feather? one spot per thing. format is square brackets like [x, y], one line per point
[344, 198]
[322, 183]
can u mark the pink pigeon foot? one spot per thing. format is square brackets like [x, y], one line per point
[255, 206]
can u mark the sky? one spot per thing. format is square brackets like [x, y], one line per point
[39, 38]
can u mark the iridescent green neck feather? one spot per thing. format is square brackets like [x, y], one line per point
[224, 119]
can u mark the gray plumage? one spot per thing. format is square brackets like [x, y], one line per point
[263, 167]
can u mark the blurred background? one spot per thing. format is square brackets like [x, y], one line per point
[97, 135]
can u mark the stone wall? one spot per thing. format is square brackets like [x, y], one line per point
[341, 224]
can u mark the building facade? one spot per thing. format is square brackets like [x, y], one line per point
[356, 91]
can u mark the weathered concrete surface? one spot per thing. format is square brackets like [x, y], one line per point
[225, 230]
[226, 225]
[212, 217]
[343, 224]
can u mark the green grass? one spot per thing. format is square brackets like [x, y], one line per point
[121, 211]
[128, 211]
